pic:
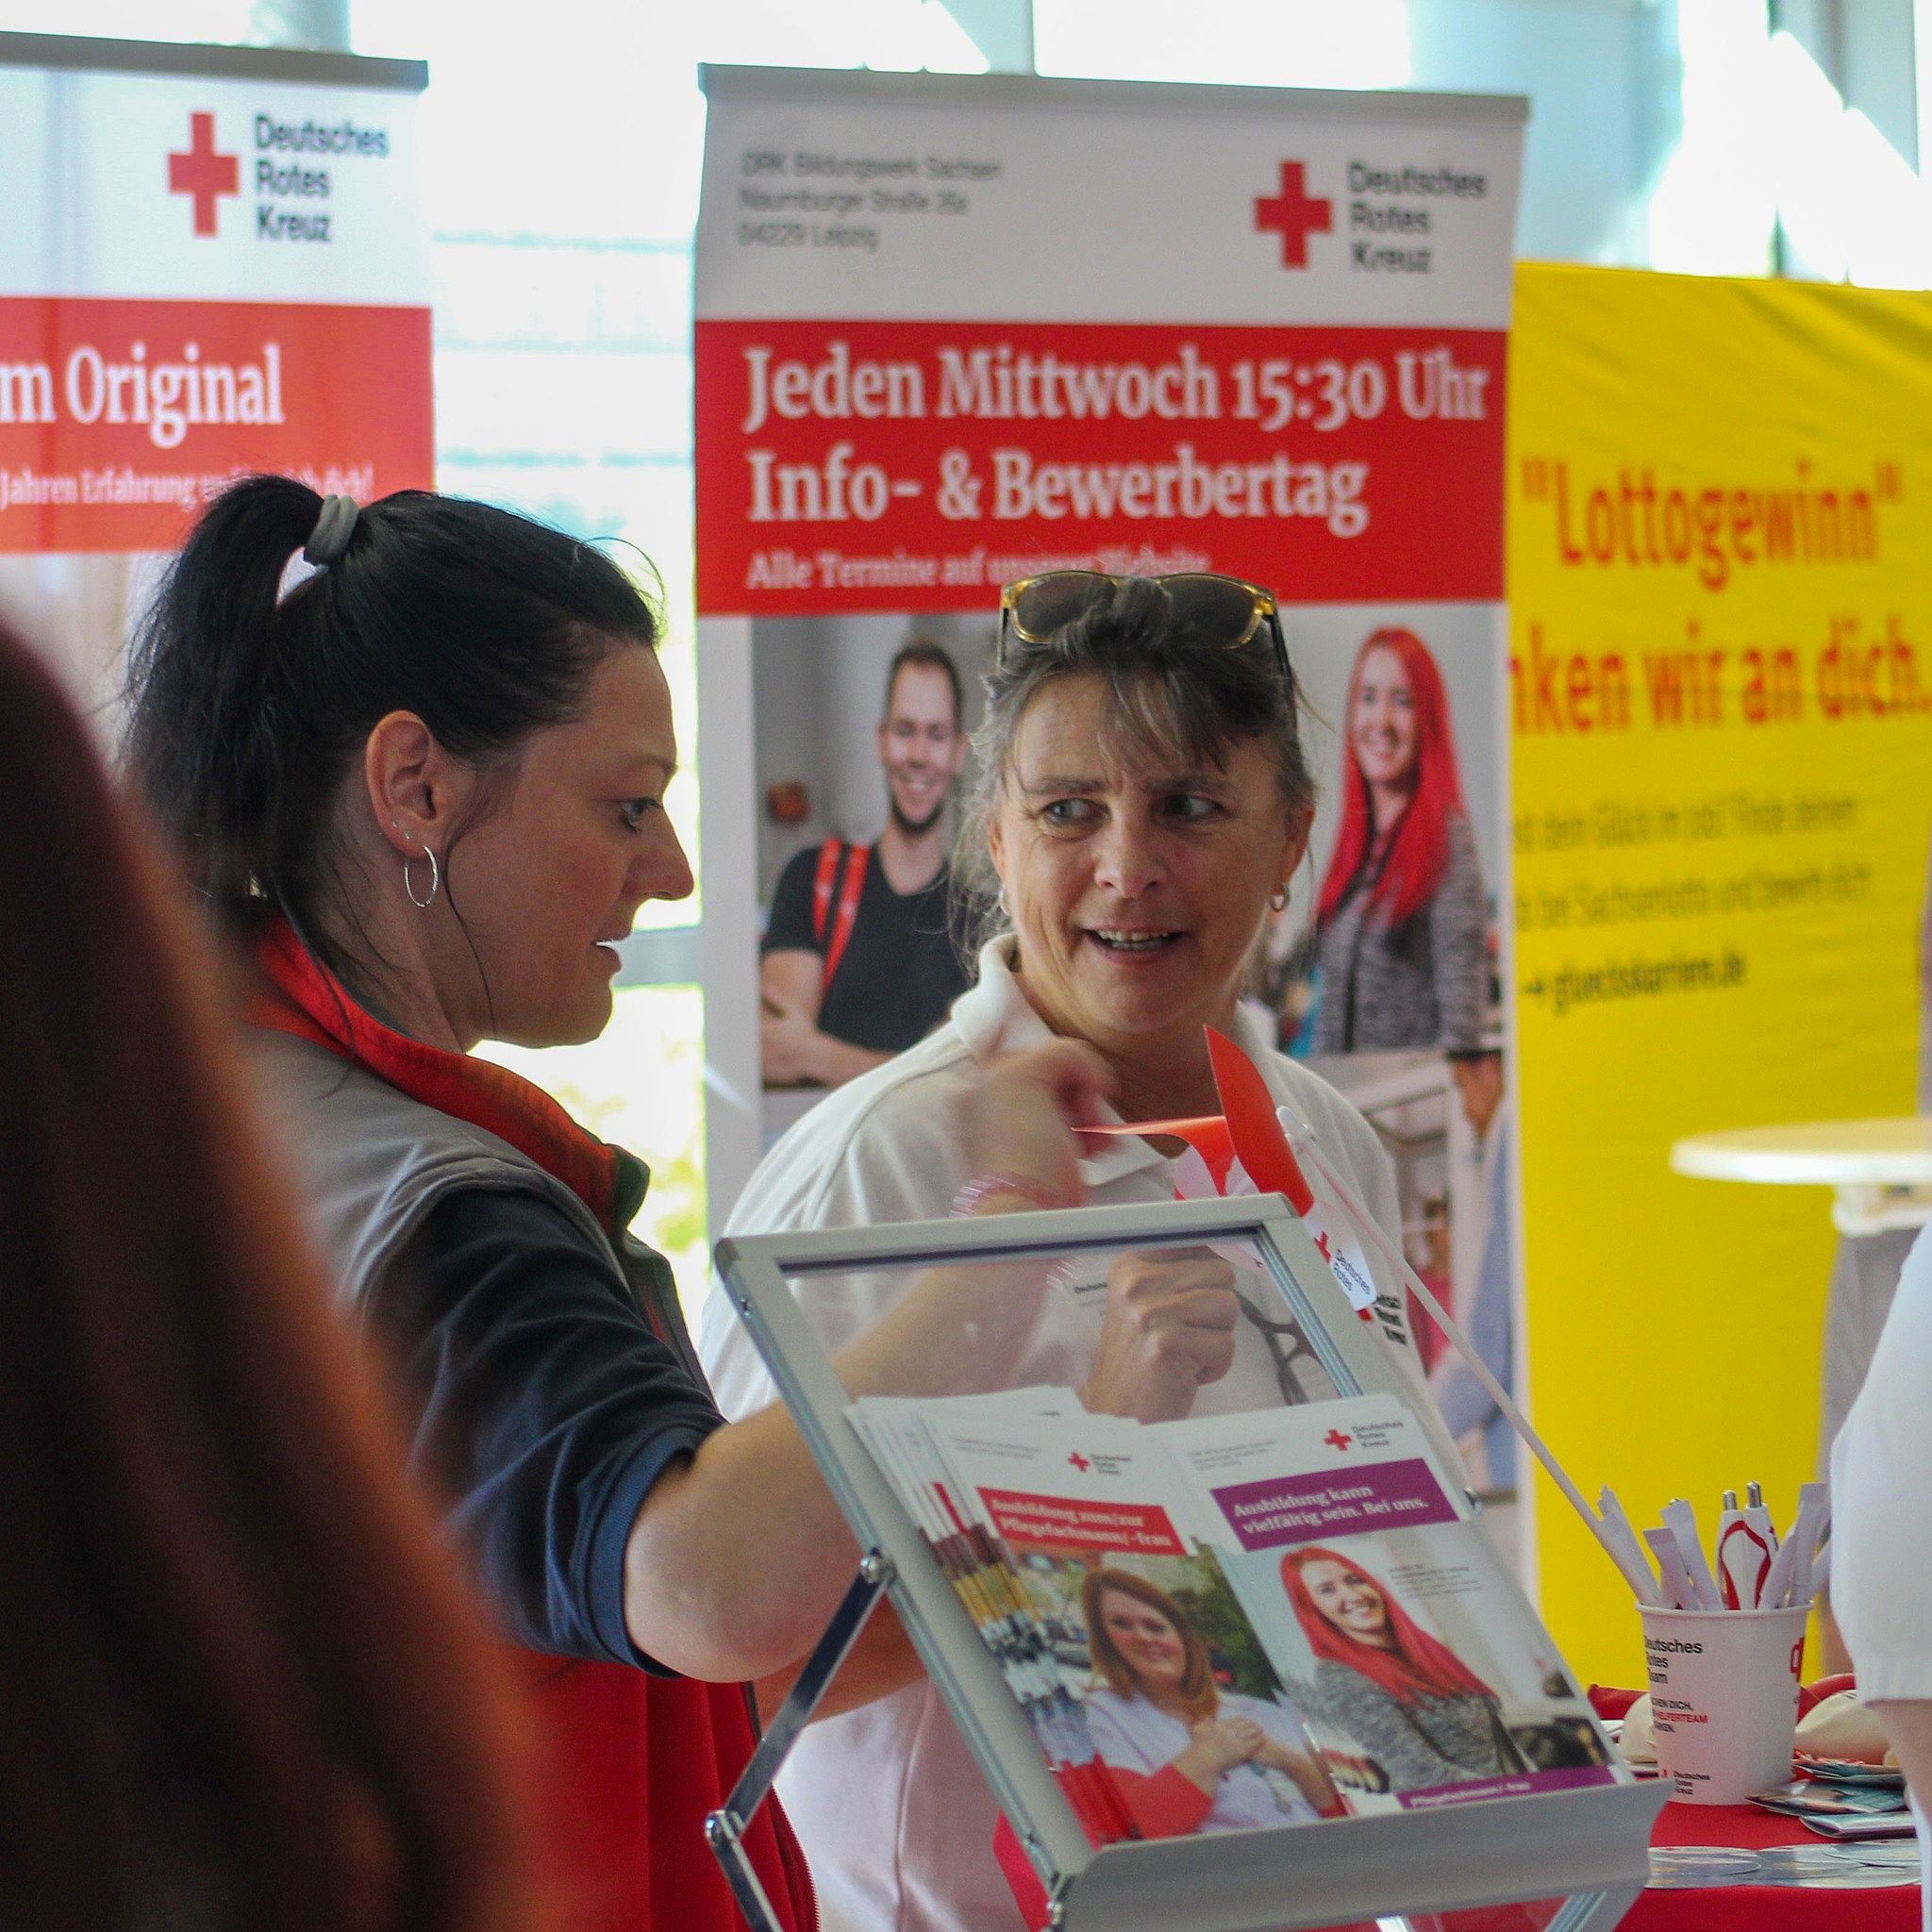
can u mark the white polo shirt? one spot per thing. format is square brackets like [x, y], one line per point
[893, 1814]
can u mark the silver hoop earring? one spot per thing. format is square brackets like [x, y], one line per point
[1006, 911]
[428, 899]
[1279, 902]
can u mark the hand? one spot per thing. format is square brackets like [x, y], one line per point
[1223, 1743]
[1169, 1327]
[788, 1039]
[1310, 1774]
[1022, 1117]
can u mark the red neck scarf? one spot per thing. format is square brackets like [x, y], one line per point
[634, 1763]
[300, 995]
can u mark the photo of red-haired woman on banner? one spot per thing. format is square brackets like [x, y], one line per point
[1382, 970]
[1401, 921]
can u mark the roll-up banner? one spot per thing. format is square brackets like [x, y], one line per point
[212, 262]
[954, 332]
[1721, 690]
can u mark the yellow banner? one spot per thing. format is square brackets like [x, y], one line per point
[1721, 693]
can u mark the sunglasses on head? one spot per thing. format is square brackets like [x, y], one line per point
[1225, 612]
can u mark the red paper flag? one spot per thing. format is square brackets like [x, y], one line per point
[1249, 1110]
[1206, 1135]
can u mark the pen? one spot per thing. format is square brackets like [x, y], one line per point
[1303, 1141]
[1680, 1519]
[1758, 1517]
[1678, 1589]
[1728, 1515]
[1743, 1552]
[1619, 1541]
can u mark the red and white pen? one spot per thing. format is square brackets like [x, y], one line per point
[1745, 1550]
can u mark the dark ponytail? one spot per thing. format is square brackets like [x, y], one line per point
[247, 708]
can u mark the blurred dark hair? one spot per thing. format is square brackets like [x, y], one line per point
[1170, 694]
[248, 708]
[933, 657]
[240, 1685]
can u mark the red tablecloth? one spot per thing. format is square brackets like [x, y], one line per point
[1761, 1907]
[1756, 1908]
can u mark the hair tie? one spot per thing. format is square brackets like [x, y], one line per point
[334, 525]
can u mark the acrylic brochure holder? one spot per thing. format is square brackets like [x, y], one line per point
[1567, 1850]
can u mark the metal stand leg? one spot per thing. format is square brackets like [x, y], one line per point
[724, 1828]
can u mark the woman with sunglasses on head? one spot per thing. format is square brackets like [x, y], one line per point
[1143, 800]
[424, 785]
[1401, 919]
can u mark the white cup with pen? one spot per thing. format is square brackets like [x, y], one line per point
[1723, 1680]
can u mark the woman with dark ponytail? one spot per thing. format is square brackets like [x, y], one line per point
[413, 755]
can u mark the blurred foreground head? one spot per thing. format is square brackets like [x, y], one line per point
[240, 1684]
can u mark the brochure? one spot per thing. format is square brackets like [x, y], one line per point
[1237, 1621]
[1828, 1867]
[900, 1437]
[1806, 1798]
[1889, 1825]
[1386, 1611]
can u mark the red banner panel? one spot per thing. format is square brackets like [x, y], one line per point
[915, 466]
[120, 419]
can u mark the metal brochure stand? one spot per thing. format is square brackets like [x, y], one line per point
[1586, 1848]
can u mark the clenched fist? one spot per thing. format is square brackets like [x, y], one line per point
[1168, 1328]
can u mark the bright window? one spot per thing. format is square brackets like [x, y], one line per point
[1261, 42]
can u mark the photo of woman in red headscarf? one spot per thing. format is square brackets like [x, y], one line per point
[1402, 918]
[1405, 1696]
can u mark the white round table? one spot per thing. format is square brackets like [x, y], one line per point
[1880, 1171]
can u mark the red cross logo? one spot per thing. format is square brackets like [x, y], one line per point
[202, 173]
[1294, 216]
[1080, 1462]
[1338, 1438]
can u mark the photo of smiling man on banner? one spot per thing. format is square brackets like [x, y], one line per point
[859, 959]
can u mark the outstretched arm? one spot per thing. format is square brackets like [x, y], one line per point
[739, 1555]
